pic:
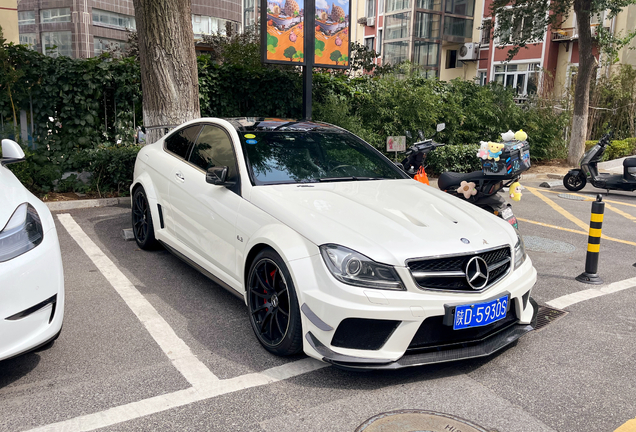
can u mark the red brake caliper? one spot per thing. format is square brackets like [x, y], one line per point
[272, 274]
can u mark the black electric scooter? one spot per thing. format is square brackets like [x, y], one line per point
[487, 186]
[576, 179]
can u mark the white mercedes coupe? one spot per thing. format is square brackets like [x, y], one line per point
[333, 248]
[31, 275]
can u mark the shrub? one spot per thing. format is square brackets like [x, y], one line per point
[618, 149]
[458, 157]
[111, 168]
[632, 144]
[590, 144]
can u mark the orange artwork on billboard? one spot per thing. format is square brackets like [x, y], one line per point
[285, 37]
[332, 33]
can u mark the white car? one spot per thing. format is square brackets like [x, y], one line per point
[31, 274]
[333, 248]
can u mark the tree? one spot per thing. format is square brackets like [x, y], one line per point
[169, 78]
[289, 52]
[335, 56]
[519, 22]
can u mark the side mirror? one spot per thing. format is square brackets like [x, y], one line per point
[399, 165]
[11, 152]
[216, 175]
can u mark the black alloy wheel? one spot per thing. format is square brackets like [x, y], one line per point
[574, 183]
[273, 306]
[143, 228]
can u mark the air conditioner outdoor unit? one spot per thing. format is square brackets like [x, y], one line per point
[468, 51]
[370, 21]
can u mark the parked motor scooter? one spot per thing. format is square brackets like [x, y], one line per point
[483, 194]
[576, 179]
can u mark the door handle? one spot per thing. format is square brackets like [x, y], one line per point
[179, 176]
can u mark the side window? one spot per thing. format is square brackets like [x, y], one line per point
[182, 141]
[214, 148]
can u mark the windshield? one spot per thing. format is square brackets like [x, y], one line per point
[306, 157]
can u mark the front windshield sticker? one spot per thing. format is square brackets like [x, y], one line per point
[249, 136]
[251, 141]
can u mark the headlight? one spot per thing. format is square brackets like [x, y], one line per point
[353, 268]
[520, 252]
[22, 233]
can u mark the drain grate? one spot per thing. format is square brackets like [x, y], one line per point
[572, 197]
[542, 244]
[547, 315]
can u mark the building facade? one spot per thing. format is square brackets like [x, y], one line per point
[9, 20]
[86, 28]
[428, 33]
[445, 38]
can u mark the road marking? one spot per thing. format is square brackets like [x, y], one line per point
[175, 349]
[570, 299]
[179, 398]
[551, 226]
[588, 198]
[559, 209]
[205, 384]
[571, 217]
[620, 212]
[629, 426]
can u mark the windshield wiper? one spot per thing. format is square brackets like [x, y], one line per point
[352, 178]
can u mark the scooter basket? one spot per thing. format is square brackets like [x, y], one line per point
[513, 160]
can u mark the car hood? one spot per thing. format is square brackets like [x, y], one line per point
[12, 194]
[389, 221]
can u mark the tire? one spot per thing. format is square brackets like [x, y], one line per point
[574, 183]
[273, 305]
[142, 225]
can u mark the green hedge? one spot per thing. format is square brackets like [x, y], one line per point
[458, 158]
[109, 168]
[616, 149]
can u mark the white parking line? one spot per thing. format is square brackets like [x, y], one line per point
[570, 299]
[205, 384]
[168, 401]
[177, 351]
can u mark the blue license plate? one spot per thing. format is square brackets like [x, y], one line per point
[480, 314]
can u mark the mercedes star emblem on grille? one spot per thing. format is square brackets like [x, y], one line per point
[477, 273]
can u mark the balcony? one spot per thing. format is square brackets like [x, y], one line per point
[571, 33]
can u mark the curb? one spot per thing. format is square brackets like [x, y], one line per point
[541, 176]
[89, 203]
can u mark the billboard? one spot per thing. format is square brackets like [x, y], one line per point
[283, 40]
[332, 33]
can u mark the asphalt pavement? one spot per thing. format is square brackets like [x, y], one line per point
[116, 367]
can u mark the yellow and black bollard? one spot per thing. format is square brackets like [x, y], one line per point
[590, 275]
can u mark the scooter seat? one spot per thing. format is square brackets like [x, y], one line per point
[450, 179]
[630, 162]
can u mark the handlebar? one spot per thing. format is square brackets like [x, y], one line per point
[605, 139]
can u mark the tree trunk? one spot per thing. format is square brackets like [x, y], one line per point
[587, 65]
[169, 78]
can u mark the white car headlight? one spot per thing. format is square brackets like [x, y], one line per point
[353, 268]
[22, 233]
[520, 252]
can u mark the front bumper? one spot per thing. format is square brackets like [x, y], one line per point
[31, 298]
[326, 304]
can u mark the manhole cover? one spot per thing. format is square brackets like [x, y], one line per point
[572, 197]
[541, 244]
[417, 421]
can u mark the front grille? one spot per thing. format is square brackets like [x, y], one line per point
[433, 333]
[363, 334]
[449, 273]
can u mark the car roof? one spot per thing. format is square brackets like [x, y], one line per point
[263, 124]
